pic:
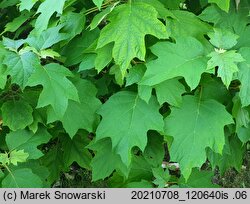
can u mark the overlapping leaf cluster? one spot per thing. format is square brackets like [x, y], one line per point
[125, 89]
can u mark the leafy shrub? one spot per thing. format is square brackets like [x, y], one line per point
[123, 89]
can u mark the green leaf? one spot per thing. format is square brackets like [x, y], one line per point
[75, 151]
[7, 3]
[185, 24]
[126, 119]
[74, 50]
[18, 156]
[223, 4]
[135, 74]
[198, 179]
[223, 39]
[140, 169]
[161, 9]
[98, 18]
[46, 38]
[180, 59]
[139, 184]
[226, 62]
[28, 141]
[53, 160]
[27, 4]
[161, 177]
[240, 114]
[4, 159]
[3, 76]
[37, 169]
[73, 23]
[57, 89]
[233, 158]
[17, 22]
[170, 91]
[102, 168]
[137, 18]
[172, 4]
[144, 92]
[244, 77]
[154, 151]
[213, 88]
[46, 10]
[243, 134]
[98, 3]
[88, 62]
[200, 125]
[21, 66]
[22, 178]
[12, 45]
[17, 114]
[104, 56]
[84, 113]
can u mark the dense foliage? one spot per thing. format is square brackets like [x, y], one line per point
[141, 93]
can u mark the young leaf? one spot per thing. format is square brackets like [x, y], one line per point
[18, 156]
[28, 141]
[200, 125]
[131, 23]
[223, 39]
[161, 177]
[126, 119]
[227, 64]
